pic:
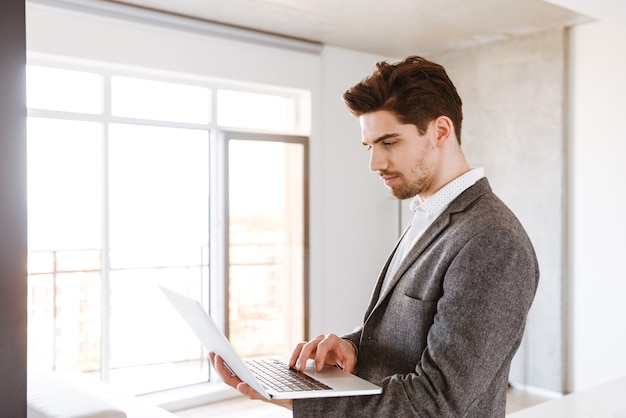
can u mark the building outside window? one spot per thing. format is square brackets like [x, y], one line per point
[136, 180]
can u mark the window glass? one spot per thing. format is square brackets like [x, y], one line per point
[158, 100]
[116, 208]
[64, 238]
[159, 234]
[78, 327]
[63, 90]
[266, 244]
[64, 184]
[240, 109]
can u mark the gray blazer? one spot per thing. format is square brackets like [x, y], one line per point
[441, 340]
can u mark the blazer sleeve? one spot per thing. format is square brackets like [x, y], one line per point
[488, 288]
[354, 337]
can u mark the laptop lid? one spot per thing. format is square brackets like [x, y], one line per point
[194, 314]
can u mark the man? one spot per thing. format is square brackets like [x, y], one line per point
[449, 308]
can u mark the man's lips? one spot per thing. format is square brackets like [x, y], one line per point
[389, 180]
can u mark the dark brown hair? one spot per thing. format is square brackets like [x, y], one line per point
[415, 90]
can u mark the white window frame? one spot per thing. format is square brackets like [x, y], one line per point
[186, 397]
[126, 36]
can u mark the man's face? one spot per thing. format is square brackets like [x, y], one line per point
[406, 161]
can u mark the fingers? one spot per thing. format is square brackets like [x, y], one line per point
[325, 349]
[330, 350]
[303, 352]
[227, 376]
[247, 391]
[295, 354]
[232, 380]
[349, 356]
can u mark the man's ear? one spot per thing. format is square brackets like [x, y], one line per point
[444, 128]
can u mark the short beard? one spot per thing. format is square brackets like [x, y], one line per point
[422, 176]
[408, 191]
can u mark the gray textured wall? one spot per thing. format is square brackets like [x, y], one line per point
[513, 93]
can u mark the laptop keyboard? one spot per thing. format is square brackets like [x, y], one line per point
[280, 377]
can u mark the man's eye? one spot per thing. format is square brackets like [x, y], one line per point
[388, 143]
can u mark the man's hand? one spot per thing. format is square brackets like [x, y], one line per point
[242, 387]
[325, 349]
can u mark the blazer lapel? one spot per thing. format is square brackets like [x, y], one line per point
[434, 230]
[381, 277]
[421, 244]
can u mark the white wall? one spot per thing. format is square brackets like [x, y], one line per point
[354, 219]
[597, 184]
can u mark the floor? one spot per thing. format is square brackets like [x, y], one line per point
[520, 399]
[244, 408]
[236, 408]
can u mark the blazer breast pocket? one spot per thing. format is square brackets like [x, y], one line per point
[416, 307]
[421, 288]
[405, 324]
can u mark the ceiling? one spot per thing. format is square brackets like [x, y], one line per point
[383, 27]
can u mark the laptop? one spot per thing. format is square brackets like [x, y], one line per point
[331, 381]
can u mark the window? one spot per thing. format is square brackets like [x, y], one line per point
[266, 232]
[135, 181]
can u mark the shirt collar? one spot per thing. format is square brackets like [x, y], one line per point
[435, 204]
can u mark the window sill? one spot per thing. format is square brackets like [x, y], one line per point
[190, 396]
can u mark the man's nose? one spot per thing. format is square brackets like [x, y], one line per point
[377, 161]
